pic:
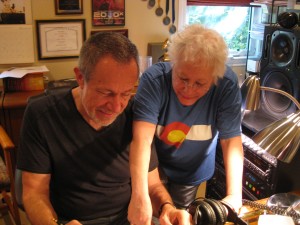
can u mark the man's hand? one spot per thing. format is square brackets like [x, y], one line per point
[235, 201]
[173, 216]
[140, 211]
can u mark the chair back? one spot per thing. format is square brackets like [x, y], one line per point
[9, 165]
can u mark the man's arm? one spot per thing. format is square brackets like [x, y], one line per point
[162, 203]
[140, 209]
[36, 199]
[233, 156]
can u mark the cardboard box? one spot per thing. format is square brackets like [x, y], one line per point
[30, 82]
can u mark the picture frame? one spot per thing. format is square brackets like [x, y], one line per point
[121, 31]
[15, 12]
[63, 7]
[108, 13]
[60, 38]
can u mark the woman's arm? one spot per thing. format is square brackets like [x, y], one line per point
[233, 155]
[140, 209]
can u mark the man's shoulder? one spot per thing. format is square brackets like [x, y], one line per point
[47, 99]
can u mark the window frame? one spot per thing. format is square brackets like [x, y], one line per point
[182, 4]
[219, 2]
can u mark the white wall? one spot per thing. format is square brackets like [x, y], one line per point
[140, 20]
[143, 27]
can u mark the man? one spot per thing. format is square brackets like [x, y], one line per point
[186, 106]
[74, 144]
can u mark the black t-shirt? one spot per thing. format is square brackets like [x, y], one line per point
[89, 169]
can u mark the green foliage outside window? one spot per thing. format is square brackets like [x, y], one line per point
[214, 16]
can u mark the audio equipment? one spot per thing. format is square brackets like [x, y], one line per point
[279, 208]
[280, 69]
[263, 174]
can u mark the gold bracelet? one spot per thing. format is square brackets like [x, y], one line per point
[162, 205]
[56, 221]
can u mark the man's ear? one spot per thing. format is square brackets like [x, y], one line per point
[79, 77]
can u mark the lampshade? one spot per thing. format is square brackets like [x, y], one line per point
[281, 138]
[250, 90]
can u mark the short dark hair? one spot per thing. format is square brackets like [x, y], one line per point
[103, 44]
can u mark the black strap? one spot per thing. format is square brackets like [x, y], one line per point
[173, 11]
[167, 6]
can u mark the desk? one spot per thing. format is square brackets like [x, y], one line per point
[251, 214]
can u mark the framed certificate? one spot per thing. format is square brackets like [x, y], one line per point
[108, 12]
[68, 7]
[60, 38]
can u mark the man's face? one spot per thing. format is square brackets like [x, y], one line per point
[107, 93]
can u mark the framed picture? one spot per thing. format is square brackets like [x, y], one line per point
[108, 12]
[68, 7]
[60, 38]
[121, 31]
[15, 12]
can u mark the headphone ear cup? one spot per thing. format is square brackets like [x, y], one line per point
[196, 213]
[208, 213]
[198, 217]
[219, 210]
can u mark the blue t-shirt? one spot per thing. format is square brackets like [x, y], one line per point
[186, 136]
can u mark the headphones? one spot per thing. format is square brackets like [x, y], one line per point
[212, 212]
[207, 211]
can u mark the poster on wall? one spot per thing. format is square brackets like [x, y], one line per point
[108, 12]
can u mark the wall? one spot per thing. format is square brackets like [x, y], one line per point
[143, 27]
[142, 24]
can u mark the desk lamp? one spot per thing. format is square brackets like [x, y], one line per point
[282, 137]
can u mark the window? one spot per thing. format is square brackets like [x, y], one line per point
[232, 22]
[221, 15]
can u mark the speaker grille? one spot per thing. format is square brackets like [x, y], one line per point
[282, 48]
[276, 104]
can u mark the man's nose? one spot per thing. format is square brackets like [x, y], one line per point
[117, 104]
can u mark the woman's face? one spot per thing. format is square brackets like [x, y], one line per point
[191, 82]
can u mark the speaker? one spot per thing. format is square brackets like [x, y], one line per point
[280, 69]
